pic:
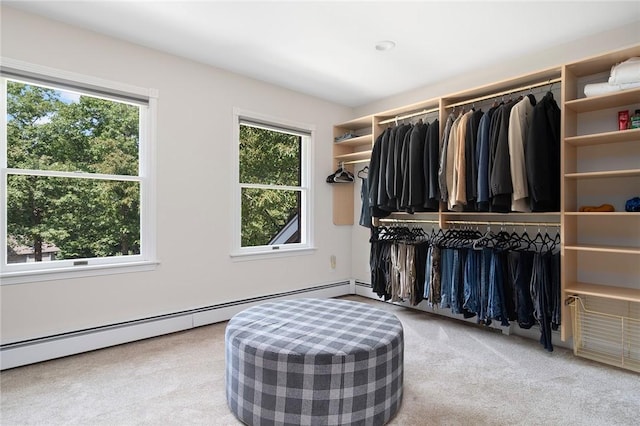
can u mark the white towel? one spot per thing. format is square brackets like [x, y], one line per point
[597, 89]
[626, 72]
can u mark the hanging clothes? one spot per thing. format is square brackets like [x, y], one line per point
[471, 159]
[500, 178]
[431, 167]
[482, 156]
[365, 209]
[382, 198]
[520, 271]
[542, 156]
[452, 153]
[376, 169]
[432, 284]
[460, 164]
[413, 187]
[508, 278]
[442, 170]
[543, 290]
[394, 258]
[393, 177]
[519, 123]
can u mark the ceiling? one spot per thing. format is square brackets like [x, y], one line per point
[327, 48]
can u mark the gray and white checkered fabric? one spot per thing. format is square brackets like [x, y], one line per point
[314, 362]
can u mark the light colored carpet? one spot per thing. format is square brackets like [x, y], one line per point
[455, 374]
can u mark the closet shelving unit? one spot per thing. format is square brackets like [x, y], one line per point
[346, 153]
[601, 250]
[358, 150]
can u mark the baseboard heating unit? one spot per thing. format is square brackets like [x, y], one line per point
[41, 349]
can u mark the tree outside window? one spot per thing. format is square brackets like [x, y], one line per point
[271, 184]
[72, 175]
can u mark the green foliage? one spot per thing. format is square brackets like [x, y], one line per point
[268, 157]
[82, 217]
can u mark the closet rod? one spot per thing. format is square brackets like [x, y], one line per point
[390, 220]
[469, 222]
[505, 92]
[413, 114]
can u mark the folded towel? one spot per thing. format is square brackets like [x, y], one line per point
[596, 89]
[626, 72]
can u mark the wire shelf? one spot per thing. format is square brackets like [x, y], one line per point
[607, 331]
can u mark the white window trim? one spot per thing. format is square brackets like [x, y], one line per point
[147, 260]
[283, 250]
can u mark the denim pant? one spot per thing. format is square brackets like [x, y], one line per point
[520, 269]
[446, 277]
[472, 281]
[427, 275]
[497, 308]
[457, 281]
[545, 291]
[483, 301]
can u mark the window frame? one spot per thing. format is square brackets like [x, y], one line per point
[146, 99]
[307, 132]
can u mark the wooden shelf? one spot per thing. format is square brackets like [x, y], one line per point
[605, 291]
[604, 249]
[610, 100]
[606, 174]
[617, 215]
[602, 63]
[364, 140]
[356, 123]
[604, 138]
[354, 156]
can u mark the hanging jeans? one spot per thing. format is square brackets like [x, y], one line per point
[542, 298]
[432, 280]
[457, 281]
[365, 210]
[483, 301]
[554, 262]
[472, 281]
[497, 308]
[421, 250]
[520, 269]
[446, 277]
[398, 265]
[427, 276]
[379, 261]
[408, 278]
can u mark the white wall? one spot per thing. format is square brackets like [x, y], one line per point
[193, 191]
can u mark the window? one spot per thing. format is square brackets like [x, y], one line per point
[77, 175]
[272, 197]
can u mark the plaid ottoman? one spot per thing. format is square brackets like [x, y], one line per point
[314, 362]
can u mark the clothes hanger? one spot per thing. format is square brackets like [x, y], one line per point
[342, 175]
[484, 240]
[362, 174]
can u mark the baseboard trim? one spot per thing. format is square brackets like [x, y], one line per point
[60, 345]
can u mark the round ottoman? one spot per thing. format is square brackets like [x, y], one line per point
[314, 362]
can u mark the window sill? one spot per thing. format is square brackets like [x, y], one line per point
[241, 256]
[9, 278]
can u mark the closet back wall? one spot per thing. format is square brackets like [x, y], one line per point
[194, 188]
